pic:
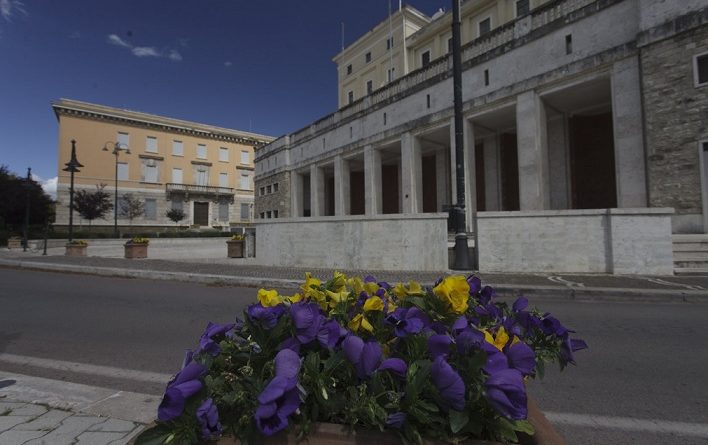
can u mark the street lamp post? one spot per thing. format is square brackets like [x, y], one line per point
[116, 147]
[27, 210]
[72, 167]
[462, 261]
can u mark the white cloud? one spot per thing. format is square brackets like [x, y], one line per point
[9, 8]
[228, 63]
[115, 40]
[175, 55]
[145, 51]
[49, 186]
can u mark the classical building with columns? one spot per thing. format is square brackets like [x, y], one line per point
[584, 124]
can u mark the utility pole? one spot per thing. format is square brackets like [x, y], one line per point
[27, 210]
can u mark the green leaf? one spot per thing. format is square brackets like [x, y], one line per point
[506, 430]
[458, 420]
[524, 426]
[156, 435]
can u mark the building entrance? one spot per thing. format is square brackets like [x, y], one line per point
[201, 213]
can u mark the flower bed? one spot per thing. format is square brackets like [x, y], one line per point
[447, 363]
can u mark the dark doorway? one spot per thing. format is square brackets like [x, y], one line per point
[201, 213]
[356, 193]
[479, 176]
[389, 189]
[509, 172]
[329, 196]
[592, 161]
[430, 185]
[306, 196]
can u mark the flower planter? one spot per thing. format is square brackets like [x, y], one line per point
[14, 242]
[75, 249]
[234, 248]
[134, 250]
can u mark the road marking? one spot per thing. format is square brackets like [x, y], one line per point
[629, 424]
[560, 280]
[669, 283]
[83, 368]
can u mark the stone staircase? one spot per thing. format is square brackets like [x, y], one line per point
[690, 254]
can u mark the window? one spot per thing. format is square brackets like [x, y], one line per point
[177, 148]
[223, 211]
[449, 45]
[262, 191]
[275, 213]
[151, 144]
[223, 154]
[223, 179]
[122, 171]
[177, 175]
[122, 206]
[485, 26]
[427, 100]
[384, 118]
[245, 183]
[349, 69]
[369, 86]
[367, 57]
[486, 78]
[569, 44]
[123, 140]
[700, 67]
[522, 7]
[425, 59]
[151, 209]
[202, 177]
[201, 151]
[150, 173]
[269, 214]
[275, 188]
[177, 205]
[262, 215]
[391, 74]
[244, 157]
[269, 189]
[245, 211]
[350, 97]
[389, 43]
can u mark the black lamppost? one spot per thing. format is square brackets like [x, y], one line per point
[25, 230]
[462, 261]
[72, 167]
[116, 147]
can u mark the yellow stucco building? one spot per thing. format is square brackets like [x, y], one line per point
[205, 171]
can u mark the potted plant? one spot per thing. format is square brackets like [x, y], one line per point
[14, 242]
[352, 359]
[76, 248]
[136, 247]
[234, 246]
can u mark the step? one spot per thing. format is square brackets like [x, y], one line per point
[690, 238]
[690, 256]
[691, 270]
[689, 264]
[689, 247]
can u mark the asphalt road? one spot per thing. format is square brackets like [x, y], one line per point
[646, 361]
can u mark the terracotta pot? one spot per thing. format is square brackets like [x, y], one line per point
[234, 248]
[75, 249]
[136, 250]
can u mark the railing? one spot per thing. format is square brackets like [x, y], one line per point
[199, 189]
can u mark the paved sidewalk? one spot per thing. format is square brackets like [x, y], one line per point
[37, 411]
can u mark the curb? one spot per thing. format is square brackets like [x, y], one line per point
[571, 293]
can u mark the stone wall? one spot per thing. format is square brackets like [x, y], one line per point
[384, 242]
[676, 116]
[617, 241]
[279, 200]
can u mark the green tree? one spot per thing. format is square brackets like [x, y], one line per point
[13, 201]
[176, 215]
[92, 205]
[131, 207]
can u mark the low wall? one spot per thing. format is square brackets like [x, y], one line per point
[617, 241]
[382, 242]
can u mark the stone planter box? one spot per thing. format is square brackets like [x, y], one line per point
[14, 243]
[75, 250]
[234, 249]
[134, 250]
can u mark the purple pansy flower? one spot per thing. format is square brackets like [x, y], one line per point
[280, 398]
[569, 346]
[307, 320]
[365, 356]
[184, 385]
[521, 357]
[395, 366]
[439, 345]
[469, 339]
[330, 334]
[407, 321]
[475, 284]
[290, 343]
[396, 420]
[486, 295]
[551, 326]
[208, 418]
[506, 392]
[207, 343]
[266, 316]
[520, 304]
[449, 383]
[496, 359]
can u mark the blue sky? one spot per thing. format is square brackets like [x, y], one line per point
[258, 65]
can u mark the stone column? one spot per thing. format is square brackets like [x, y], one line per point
[628, 134]
[296, 194]
[532, 140]
[412, 174]
[558, 151]
[469, 162]
[342, 198]
[492, 176]
[372, 181]
[316, 191]
[453, 164]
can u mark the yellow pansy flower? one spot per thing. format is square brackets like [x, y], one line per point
[371, 288]
[360, 322]
[414, 288]
[500, 340]
[455, 291]
[373, 304]
[356, 285]
[339, 281]
[399, 290]
[294, 299]
[337, 297]
[269, 298]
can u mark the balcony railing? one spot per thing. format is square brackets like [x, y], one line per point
[194, 189]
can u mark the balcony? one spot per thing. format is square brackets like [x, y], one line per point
[193, 190]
